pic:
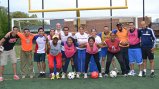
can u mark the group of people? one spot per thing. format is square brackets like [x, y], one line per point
[129, 46]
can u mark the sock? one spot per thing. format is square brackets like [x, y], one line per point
[73, 68]
[144, 70]
[41, 72]
[57, 73]
[52, 74]
[152, 71]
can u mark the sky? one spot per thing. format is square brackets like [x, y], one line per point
[134, 7]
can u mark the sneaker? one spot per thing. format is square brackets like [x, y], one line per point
[23, 76]
[43, 75]
[125, 75]
[143, 74]
[1, 79]
[140, 74]
[40, 75]
[100, 75]
[131, 73]
[31, 76]
[57, 76]
[16, 77]
[52, 76]
[77, 75]
[152, 74]
[105, 75]
[63, 75]
[85, 75]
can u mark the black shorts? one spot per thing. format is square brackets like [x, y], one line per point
[39, 57]
[146, 53]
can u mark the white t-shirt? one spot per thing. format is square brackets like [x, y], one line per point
[98, 41]
[64, 38]
[57, 32]
[40, 44]
[81, 39]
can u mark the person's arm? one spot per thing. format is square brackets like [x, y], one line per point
[48, 47]
[154, 40]
[4, 38]
[82, 45]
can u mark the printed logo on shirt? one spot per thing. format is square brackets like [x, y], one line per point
[13, 40]
[27, 41]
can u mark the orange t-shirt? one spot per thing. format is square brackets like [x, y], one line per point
[26, 42]
[123, 36]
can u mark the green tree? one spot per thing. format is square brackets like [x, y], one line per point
[3, 22]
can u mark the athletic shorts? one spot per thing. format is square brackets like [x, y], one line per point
[39, 57]
[5, 55]
[146, 53]
[103, 52]
[135, 56]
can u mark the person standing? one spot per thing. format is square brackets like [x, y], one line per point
[40, 51]
[8, 42]
[122, 35]
[81, 38]
[26, 61]
[134, 51]
[148, 42]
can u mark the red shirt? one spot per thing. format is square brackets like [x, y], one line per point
[113, 47]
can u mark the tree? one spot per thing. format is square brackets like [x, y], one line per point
[3, 22]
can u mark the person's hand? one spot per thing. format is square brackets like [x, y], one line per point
[153, 50]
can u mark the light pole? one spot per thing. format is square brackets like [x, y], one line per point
[43, 14]
[111, 14]
[8, 15]
[143, 10]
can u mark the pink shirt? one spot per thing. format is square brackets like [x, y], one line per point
[92, 51]
[133, 37]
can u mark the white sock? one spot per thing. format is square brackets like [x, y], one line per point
[41, 72]
[57, 73]
[52, 74]
[144, 70]
[152, 71]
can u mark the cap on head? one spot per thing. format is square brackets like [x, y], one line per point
[119, 24]
[55, 36]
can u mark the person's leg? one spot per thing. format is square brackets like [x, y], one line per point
[126, 59]
[23, 63]
[88, 56]
[151, 59]
[58, 64]
[43, 64]
[103, 55]
[30, 64]
[72, 65]
[96, 59]
[132, 57]
[3, 62]
[108, 62]
[121, 62]
[144, 57]
[66, 65]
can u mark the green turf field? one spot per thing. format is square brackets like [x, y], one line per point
[101, 83]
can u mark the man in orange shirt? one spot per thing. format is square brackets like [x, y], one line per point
[26, 53]
[122, 34]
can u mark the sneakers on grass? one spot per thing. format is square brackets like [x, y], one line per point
[1, 79]
[16, 77]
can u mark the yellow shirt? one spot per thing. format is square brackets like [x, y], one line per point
[105, 37]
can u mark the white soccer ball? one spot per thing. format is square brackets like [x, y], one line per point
[113, 74]
[1, 48]
[71, 75]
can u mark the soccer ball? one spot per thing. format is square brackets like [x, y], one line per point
[1, 48]
[113, 74]
[94, 75]
[71, 75]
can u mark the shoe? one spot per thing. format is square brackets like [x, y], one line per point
[125, 75]
[31, 76]
[143, 74]
[152, 74]
[105, 75]
[1, 79]
[23, 76]
[77, 75]
[52, 76]
[16, 77]
[57, 76]
[85, 75]
[131, 73]
[140, 74]
[40, 75]
[43, 75]
[63, 75]
[100, 75]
